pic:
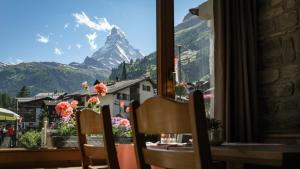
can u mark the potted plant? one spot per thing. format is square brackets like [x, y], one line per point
[66, 127]
[65, 135]
[121, 130]
[214, 131]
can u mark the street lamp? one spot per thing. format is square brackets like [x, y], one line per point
[179, 64]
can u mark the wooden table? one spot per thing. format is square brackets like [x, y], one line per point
[238, 154]
[277, 155]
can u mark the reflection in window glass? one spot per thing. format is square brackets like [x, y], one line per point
[193, 49]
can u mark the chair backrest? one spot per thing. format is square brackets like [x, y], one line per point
[161, 115]
[90, 122]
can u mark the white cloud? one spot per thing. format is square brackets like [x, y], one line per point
[78, 46]
[42, 39]
[58, 51]
[91, 39]
[69, 47]
[101, 24]
[66, 25]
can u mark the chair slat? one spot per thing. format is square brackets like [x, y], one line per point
[90, 122]
[169, 158]
[159, 115]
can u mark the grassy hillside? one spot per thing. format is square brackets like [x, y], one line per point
[46, 77]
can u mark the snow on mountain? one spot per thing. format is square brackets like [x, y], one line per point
[2, 65]
[116, 50]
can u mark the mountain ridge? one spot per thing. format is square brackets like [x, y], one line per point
[46, 77]
[57, 75]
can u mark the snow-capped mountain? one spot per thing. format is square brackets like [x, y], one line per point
[2, 65]
[115, 50]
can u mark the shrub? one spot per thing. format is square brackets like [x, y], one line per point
[31, 139]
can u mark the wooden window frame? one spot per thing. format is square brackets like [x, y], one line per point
[22, 158]
[165, 47]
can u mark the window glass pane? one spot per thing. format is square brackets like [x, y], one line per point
[194, 51]
[45, 59]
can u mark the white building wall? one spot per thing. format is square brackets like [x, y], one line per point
[108, 100]
[144, 95]
[113, 102]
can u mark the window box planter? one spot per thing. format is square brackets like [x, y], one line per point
[123, 140]
[72, 141]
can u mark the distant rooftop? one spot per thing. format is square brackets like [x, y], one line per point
[112, 87]
[52, 95]
[41, 96]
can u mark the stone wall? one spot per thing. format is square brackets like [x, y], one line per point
[279, 68]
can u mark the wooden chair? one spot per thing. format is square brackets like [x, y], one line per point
[90, 122]
[161, 115]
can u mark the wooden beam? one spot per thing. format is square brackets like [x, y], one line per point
[165, 47]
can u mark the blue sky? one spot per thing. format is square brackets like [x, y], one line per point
[69, 30]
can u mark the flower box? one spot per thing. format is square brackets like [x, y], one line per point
[123, 140]
[72, 141]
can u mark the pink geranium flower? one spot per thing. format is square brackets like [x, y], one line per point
[207, 97]
[124, 122]
[93, 100]
[74, 104]
[128, 110]
[64, 109]
[85, 85]
[101, 89]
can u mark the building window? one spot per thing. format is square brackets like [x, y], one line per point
[148, 88]
[144, 88]
[124, 96]
[118, 96]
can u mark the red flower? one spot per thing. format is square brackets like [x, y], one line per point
[207, 96]
[85, 85]
[74, 104]
[124, 122]
[93, 100]
[101, 89]
[64, 109]
[122, 103]
[128, 110]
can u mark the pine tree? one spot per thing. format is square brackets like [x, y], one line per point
[24, 92]
[124, 72]
[6, 101]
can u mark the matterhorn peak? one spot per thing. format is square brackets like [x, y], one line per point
[116, 50]
[117, 31]
[116, 36]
